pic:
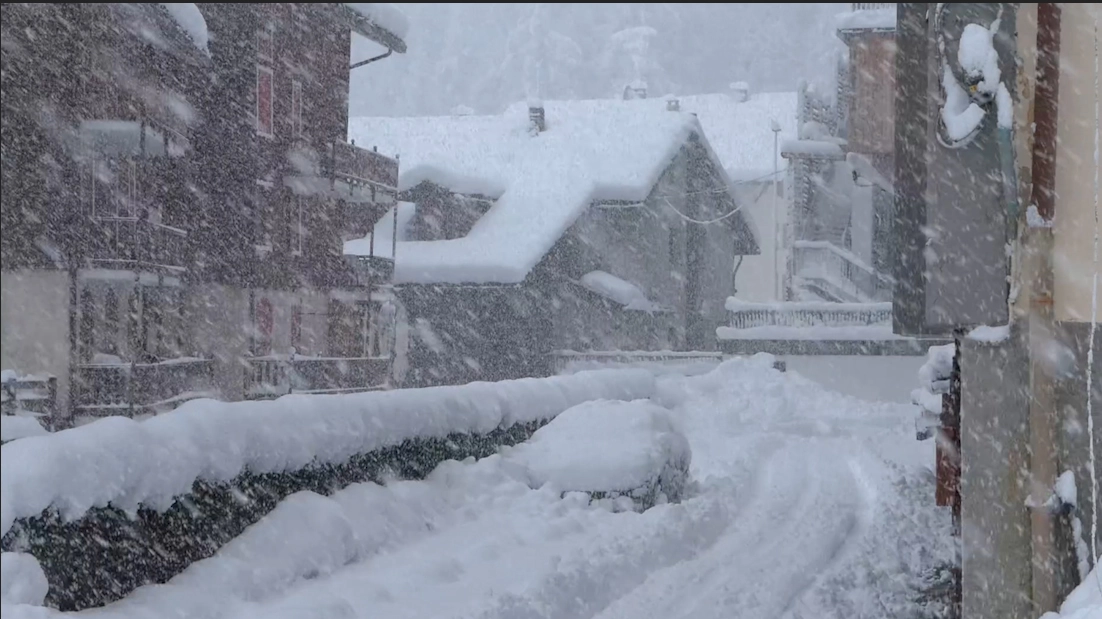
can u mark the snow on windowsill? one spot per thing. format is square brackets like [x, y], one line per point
[990, 334]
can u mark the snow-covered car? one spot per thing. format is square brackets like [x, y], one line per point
[611, 450]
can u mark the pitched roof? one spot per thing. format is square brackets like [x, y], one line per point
[610, 150]
[739, 132]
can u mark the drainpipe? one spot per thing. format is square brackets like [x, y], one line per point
[1036, 243]
[361, 63]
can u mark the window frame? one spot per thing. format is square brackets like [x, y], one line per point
[265, 70]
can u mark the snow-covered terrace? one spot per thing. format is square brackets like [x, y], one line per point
[590, 151]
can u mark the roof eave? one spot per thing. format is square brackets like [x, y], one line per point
[365, 27]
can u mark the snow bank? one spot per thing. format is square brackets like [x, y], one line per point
[934, 375]
[386, 16]
[127, 463]
[191, 20]
[618, 290]
[1085, 602]
[21, 580]
[18, 426]
[610, 447]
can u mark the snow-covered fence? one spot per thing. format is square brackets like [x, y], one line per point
[118, 503]
[747, 315]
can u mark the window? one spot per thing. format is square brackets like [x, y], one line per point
[264, 92]
[262, 218]
[296, 108]
[296, 328]
[298, 226]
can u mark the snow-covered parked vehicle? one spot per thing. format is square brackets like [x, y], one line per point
[611, 450]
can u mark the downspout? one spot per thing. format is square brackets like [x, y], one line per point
[1037, 273]
[361, 63]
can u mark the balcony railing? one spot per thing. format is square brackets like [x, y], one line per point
[357, 165]
[371, 269]
[273, 376]
[104, 389]
[841, 271]
[132, 243]
[871, 6]
[746, 315]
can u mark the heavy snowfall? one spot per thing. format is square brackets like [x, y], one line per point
[519, 311]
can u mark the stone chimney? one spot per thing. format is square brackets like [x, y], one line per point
[537, 122]
[740, 91]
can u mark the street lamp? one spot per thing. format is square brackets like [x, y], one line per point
[776, 127]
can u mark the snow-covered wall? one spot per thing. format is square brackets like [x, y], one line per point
[172, 489]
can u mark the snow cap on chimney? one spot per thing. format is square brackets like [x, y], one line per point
[740, 91]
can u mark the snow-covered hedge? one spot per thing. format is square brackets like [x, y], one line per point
[117, 503]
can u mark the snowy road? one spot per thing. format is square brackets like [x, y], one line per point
[805, 503]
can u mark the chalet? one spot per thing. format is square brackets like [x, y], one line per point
[585, 225]
[170, 196]
[284, 187]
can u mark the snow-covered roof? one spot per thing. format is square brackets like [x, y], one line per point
[866, 19]
[590, 151]
[384, 233]
[386, 23]
[189, 18]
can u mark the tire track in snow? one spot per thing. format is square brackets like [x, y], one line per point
[764, 562]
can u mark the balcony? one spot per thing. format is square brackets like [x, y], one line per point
[359, 166]
[104, 389]
[371, 270]
[276, 375]
[864, 18]
[131, 243]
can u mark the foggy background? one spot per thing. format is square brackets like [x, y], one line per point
[486, 56]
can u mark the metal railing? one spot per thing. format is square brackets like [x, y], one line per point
[796, 314]
[34, 395]
[840, 270]
[130, 243]
[273, 376]
[361, 166]
[104, 389]
[870, 6]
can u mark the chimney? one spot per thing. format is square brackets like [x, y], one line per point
[537, 122]
[673, 105]
[740, 91]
